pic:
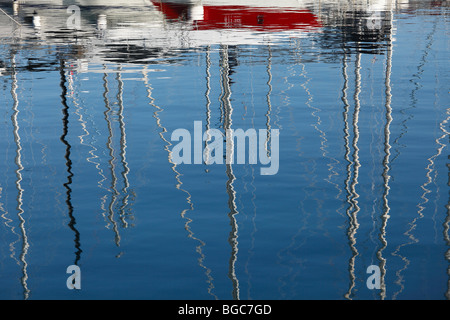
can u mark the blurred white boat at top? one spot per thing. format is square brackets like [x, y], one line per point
[176, 24]
[168, 24]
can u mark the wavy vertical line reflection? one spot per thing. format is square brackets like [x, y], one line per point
[233, 236]
[296, 244]
[377, 139]
[187, 227]
[386, 162]
[324, 152]
[288, 251]
[228, 111]
[415, 80]
[322, 133]
[67, 185]
[269, 103]
[18, 183]
[446, 223]
[112, 162]
[93, 158]
[18, 237]
[206, 159]
[4, 212]
[436, 185]
[347, 158]
[4, 207]
[422, 205]
[208, 104]
[123, 152]
[352, 196]
[417, 86]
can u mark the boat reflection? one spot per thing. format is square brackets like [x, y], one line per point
[209, 15]
[157, 29]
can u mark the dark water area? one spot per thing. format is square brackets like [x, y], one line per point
[352, 100]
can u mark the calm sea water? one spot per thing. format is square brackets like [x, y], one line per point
[90, 97]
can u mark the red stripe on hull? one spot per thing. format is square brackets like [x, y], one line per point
[242, 17]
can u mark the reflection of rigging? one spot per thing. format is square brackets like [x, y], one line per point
[3, 206]
[67, 185]
[208, 105]
[354, 164]
[228, 110]
[345, 101]
[415, 81]
[421, 206]
[350, 184]
[387, 147]
[269, 103]
[93, 157]
[20, 190]
[187, 226]
[123, 153]
[112, 161]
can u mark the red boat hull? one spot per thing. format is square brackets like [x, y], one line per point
[242, 17]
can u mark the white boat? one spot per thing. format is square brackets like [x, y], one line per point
[175, 24]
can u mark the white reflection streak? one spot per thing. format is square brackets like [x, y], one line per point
[5, 213]
[123, 148]
[269, 104]
[208, 104]
[349, 163]
[92, 152]
[199, 248]
[228, 111]
[20, 168]
[7, 222]
[354, 209]
[386, 177]
[112, 165]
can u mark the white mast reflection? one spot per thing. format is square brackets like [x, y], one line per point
[386, 161]
[112, 161]
[228, 111]
[351, 227]
[93, 157]
[123, 153]
[208, 104]
[269, 103]
[20, 190]
[352, 195]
